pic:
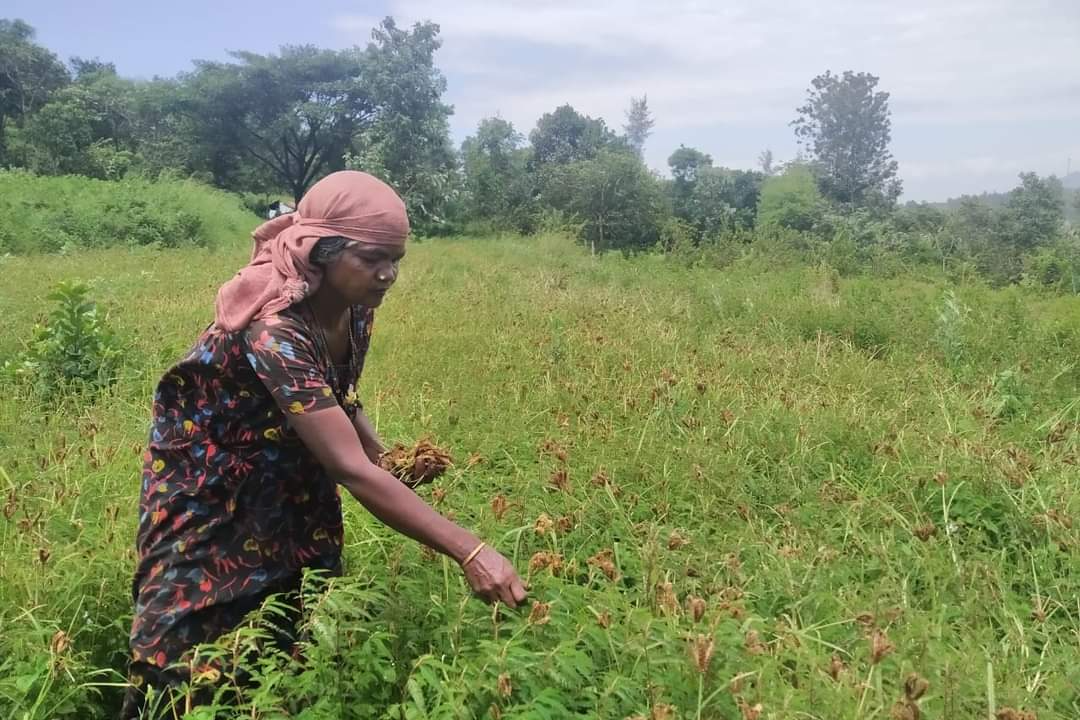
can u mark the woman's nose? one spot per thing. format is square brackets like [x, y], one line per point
[387, 272]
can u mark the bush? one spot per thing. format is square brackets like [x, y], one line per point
[1056, 266]
[791, 201]
[73, 351]
[49, 214]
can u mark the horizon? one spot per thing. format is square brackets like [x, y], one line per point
[956, 128]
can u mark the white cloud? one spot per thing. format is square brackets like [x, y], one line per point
[742, 65]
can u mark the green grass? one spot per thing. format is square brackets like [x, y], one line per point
[801, 432]
[54, 214]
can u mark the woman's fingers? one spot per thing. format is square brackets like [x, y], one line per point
[518, 590]
[492, 577]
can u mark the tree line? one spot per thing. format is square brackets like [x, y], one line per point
[263, 125]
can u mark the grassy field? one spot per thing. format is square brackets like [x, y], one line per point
[756, 493]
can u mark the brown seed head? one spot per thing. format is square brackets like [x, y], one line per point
[904, 710]
[499, 506]
[662, 711]
[701, 652]
[540, 614]
[750, 712]
[925, 531]
[879, 646]
[676, 541]
[604, 619]
[504, 686]
[60, 642]
[1008, 713]
[603, 560]
[696, 606]
[544, 524]
[915, 686]
[564, 524]
[43, 555]
[752, 643]
[666, 600]
[836, 667]
[560, 480]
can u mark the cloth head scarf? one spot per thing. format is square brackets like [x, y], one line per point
[347, 204]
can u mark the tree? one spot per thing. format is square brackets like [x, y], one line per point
[286, 120]
[722, 200]
[614, 196]
[790, 200]
[845, 127]
[407, 140]
[765, 162]
[686, 165]
[29, 75]
[84, 129]
[565, 136]
[639, 124]
[1034, 212]
[496, 181]
[294, 115]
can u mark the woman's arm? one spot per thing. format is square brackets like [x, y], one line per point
[331, 437]
[373, 446]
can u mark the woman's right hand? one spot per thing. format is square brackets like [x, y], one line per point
[492, 577]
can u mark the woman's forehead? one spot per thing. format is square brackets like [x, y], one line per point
[379, 248]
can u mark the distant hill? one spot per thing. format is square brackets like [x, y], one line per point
[1071, 181]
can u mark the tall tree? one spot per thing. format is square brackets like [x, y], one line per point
[293, 115]
[29, 75]
[495, 174]
[565, 136]
[1034, 212]
[639, 124]
[765, 162]
[407, 141]
[845, 127]
[686, 165]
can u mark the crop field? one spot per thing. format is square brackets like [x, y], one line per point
[762, 492]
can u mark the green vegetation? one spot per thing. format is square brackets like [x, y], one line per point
[764, 485]
[766, 444]
[55, 214]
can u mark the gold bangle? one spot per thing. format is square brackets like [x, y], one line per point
[472, 556]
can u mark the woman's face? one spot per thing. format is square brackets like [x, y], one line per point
[364, 272]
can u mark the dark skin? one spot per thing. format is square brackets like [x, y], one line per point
[349, 451]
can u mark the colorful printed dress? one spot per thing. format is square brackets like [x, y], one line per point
[233, 505]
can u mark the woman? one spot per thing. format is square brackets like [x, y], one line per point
[255, 428]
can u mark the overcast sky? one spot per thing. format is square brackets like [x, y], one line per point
[981, 89]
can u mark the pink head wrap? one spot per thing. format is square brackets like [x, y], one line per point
[347, 204]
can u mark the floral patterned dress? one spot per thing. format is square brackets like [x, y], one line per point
[233, 505]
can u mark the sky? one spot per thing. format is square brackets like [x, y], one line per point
[980, 90]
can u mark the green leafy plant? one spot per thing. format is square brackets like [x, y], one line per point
[73, 350]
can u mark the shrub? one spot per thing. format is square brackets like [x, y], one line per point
[73, 350]
[49, 214]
